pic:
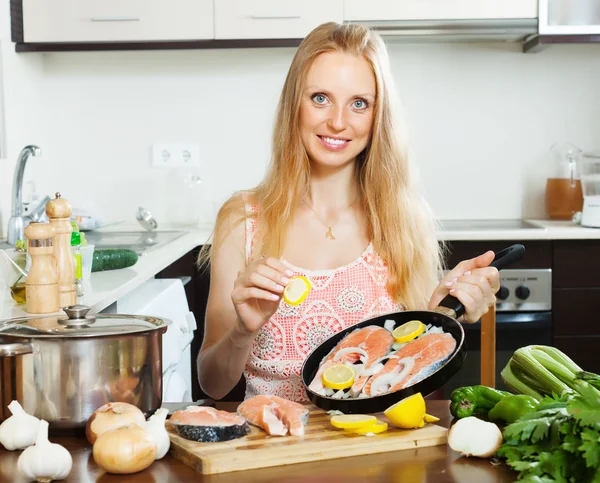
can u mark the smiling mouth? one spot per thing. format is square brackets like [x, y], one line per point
[337, 142]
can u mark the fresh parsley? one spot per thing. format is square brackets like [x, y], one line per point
[560, 441]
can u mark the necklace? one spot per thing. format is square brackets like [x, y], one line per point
[329, 233]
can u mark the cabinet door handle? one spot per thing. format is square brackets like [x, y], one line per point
[115, 19]
[274, 17]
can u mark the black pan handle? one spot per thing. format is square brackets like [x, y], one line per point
[503, 259]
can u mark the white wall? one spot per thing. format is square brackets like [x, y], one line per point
[481, 119]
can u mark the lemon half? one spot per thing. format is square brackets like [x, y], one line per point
[296, 290]
[352, 421]
[339, 376]
[408, 331]
[407, 413]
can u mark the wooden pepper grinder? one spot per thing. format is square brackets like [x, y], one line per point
[59, 213]
[41, 284]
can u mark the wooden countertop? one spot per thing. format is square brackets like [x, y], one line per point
[438, 463]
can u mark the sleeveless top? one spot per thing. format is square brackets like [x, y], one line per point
[339, 298]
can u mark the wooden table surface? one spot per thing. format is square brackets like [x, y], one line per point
[437, 464]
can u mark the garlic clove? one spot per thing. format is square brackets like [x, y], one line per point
[156, 427]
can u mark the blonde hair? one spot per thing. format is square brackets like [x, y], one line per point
[400, 224]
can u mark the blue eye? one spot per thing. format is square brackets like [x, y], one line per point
[360, 104]
[319, 98]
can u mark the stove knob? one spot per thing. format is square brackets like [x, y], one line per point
[502, 293]
[523, 292]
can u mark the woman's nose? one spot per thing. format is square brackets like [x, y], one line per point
[337, 118]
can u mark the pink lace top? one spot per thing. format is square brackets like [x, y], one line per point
[339, 298]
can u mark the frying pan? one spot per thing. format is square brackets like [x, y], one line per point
[444, 316]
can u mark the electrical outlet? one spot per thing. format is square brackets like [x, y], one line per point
[175, 155]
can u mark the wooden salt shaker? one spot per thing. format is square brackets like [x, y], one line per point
[59, 213]
[41, 284]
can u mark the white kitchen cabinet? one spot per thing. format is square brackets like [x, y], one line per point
[565, 17]
[117, 20]
[273, 19]
[399, 10]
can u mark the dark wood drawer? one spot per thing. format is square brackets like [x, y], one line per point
[538, 254]
[583, 350]
[576, 263]
[575, 311]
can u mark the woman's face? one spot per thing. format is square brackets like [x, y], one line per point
[336, 110]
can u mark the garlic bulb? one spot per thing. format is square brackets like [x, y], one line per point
[156, 427]
[20, 430]
[45, 461]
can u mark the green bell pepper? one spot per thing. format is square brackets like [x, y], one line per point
[469, 400]
[512, 407]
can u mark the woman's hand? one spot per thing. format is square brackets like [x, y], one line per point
[257, 293]
[474, 283]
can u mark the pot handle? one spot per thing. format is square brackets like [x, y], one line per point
[16, 349]
[503, 259]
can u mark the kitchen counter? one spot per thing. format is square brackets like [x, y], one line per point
[107, 287]
[538, 230]
[436, 463]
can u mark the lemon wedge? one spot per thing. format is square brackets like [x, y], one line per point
[409, 331]
[375, 428]
[352, 421]
[296, 290]
[339, 376]
[408, 413]
[430, 419]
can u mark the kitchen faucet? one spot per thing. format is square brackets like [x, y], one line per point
[17, 221]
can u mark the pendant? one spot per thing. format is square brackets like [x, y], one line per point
[329, 234]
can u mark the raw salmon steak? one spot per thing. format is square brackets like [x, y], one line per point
[374, 341]
[209, 425]
[276, 415]
[415, 361]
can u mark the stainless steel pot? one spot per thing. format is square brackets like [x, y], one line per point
[62, 369]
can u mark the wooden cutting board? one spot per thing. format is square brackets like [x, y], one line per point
[321, 441]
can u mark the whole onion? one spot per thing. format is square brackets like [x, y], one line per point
[112, 416]
[124, 450]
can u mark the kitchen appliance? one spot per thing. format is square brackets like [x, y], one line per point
[590, 181]
[166, 298]
[563, 196]
[523, 317]
[62, 368]
[444, 316]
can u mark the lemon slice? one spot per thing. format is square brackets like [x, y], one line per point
[352, 421]
[296, 290]
[339, 376]
[407, 413]
[409, 331]
[430, 419]
[375, 428]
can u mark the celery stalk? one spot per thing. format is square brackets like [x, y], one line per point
[524, 358]
[556, 368]
[516, 385]
[559, 357]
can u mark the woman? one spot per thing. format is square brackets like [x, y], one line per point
[338, 206]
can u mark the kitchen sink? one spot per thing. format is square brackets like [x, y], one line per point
[138, 241]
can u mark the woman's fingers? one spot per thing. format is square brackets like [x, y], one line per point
[255, 279]
[472, 309]
[476, 284]
[276, 276]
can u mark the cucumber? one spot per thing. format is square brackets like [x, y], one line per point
[113, 259]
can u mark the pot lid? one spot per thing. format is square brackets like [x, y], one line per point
[77, 323]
